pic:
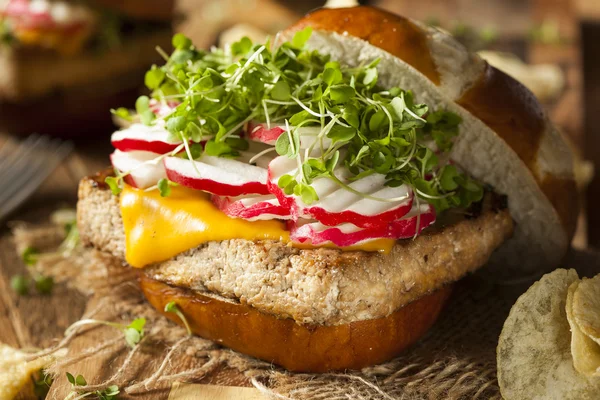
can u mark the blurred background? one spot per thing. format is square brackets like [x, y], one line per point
[63, 67]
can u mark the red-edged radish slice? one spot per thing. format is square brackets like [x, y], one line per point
[252, 208]
[338, 205]
[144, 138]
[347, 234]
[216, 175]
[260, 132]
[141, 176]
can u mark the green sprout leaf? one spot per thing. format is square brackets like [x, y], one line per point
[176, 124]
[281, 91]
[30, 256]
[370, 78]
[173, 308]
[115, 184]
[218, 149]
[181, 42]
[308, 194]
[339, 133]
[341, 93]
[282, 145]
[44, 284]
[20, 284]
[164, 188]
[447, 178]
[110, 393]
[332, 76]
[242, 47]
[41, 384]
[301, 37]
[134, 332]
[78, 380]
[154, 78]
[132, 337]
[142, 106]
[122, 113]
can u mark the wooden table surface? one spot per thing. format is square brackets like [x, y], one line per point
[34, 321]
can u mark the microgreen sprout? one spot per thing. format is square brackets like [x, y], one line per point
[173, 308]
[115, 183]
[362, 127]
[20, 284]
[122, 113]
[41, 384]
[31, 256]
[110, 393]
[164, 187]
[44, 284]
[134, 332]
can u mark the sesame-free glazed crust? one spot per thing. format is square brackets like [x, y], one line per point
[312, 348]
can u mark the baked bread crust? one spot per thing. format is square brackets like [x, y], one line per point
[319, 286]
[298, 347]
[506, 138]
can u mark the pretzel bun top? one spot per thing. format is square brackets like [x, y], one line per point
[506, 139]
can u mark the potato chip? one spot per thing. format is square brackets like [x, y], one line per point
[534, 349]
[584, 350]
[586, 307]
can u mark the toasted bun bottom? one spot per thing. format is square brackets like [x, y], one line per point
[299, 347]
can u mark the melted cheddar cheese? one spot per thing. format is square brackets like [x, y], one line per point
[158, 228]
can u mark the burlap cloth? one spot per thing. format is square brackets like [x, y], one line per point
[455, 360]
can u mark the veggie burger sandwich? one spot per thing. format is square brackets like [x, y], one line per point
[310, 201]
[72, 57]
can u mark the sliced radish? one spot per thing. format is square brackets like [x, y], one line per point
[338, 205]
[345, 235]
[220, 176]
[141, 176]
[260, 132]
[145, 138]
[252, 208]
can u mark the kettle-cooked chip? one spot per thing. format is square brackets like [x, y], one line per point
[586, 307]
[534, 349]
[585, 351]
